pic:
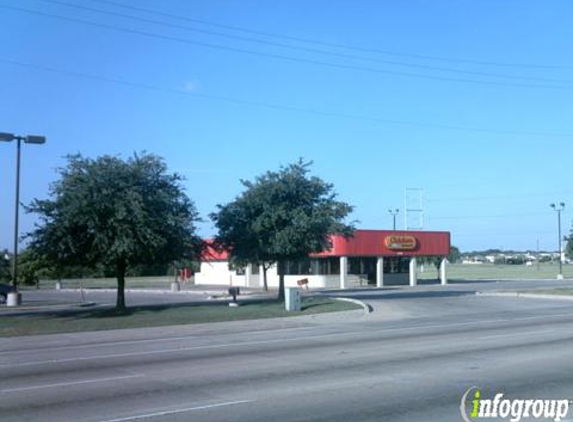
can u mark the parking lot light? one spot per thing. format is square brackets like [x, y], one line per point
[29, 139]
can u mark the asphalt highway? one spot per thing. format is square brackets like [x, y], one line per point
[410, 360]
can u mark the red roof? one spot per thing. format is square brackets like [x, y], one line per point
[212, 254]
[372, 243]
[390, 243]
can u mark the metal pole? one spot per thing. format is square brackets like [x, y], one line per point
[394, 214]
[16, 212]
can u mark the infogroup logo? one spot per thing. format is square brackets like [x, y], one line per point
[475, 407]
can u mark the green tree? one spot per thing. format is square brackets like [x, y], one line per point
[32, 266]
[454, 255]
[569, 245]
[436, 261]
[115, 214]
[281, 216]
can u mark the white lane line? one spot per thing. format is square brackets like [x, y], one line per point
[162, 351]
[281, 340]
[175, 411]
[166, 339]
[64, 384]
[526, 333]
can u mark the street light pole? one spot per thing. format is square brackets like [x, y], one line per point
[394, 213]
[16, 215]
[30, 139]
[559, 209]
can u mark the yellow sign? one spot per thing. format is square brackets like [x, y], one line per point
[400, 243]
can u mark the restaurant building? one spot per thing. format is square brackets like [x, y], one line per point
[374, 257]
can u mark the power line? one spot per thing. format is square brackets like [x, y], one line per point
[478, 217]
[274, 106]
[282, 57]
[521, 233]
[307, 50]
[330, 44]
[508, 196]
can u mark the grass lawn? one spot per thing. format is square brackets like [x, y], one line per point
[499, 272]
[107, 283]
[153, 316]
[455, 272]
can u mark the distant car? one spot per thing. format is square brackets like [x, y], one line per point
[4, 290]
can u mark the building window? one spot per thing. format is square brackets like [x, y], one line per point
[354, 266]
[313, 266]
[301, 267]
[396, 265]
[363, 266]
[333, 265]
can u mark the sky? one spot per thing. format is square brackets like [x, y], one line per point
[470, 102]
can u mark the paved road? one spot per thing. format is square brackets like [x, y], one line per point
[411, 360]
[201, 293]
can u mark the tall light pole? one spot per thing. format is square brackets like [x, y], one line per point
[29, 139]
[394, 213]
[559, 209]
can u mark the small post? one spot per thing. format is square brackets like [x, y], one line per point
[413, 270]
[380, 272]
[14, 299]
[343, 271]
[234, 291]
[443, 272]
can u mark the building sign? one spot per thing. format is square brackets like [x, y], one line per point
[400, 243]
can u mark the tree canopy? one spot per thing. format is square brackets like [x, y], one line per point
[281, 216]
[454, 255]
[5, 263]
[569, 245]
[116, 213]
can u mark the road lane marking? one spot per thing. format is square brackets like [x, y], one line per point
[166, 339]
[526, 333]
[269, 341]
[64, 384]
[175, 411]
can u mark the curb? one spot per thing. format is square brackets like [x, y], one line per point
[366, 307]
[158, 291]
[526, 295]
[51, 307]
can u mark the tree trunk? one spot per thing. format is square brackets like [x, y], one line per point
[265, 285]
[120, 274]
[281, 297]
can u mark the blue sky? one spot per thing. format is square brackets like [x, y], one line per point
[469, 100]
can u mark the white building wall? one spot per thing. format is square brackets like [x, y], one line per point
[217, 273]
